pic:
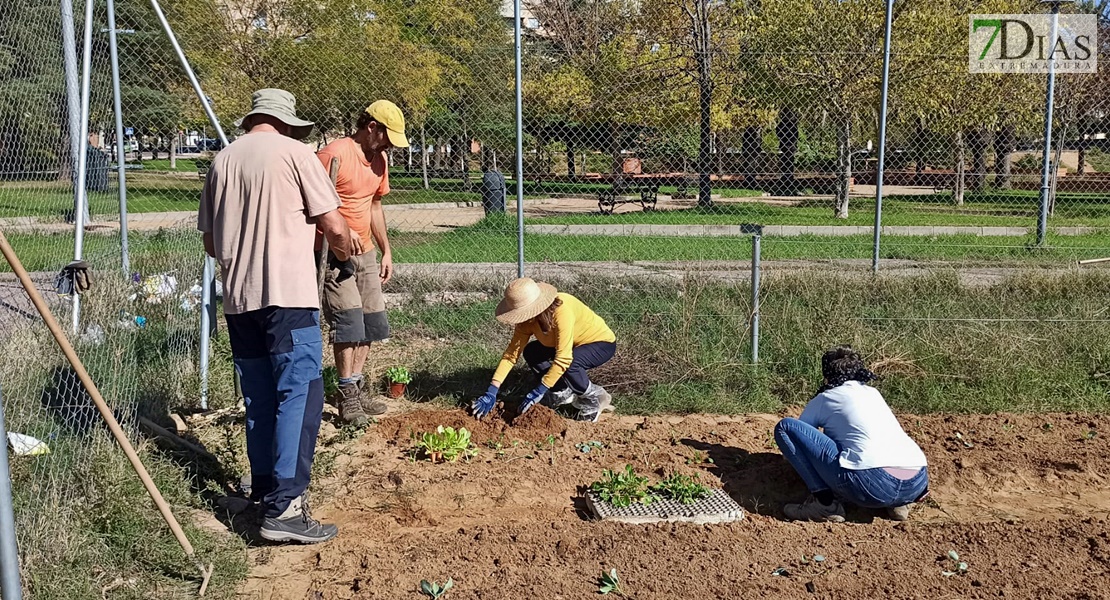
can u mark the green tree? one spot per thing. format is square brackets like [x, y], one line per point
[826, 51]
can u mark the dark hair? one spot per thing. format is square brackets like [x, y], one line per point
[546, 319]
[364, 119]
[843, 364]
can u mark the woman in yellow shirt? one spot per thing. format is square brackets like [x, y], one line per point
[570, 340]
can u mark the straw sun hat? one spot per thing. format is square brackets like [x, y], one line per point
[524, 299]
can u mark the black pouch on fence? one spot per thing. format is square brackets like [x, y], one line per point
[74, 278]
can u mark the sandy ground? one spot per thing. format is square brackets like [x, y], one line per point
[1024, 500]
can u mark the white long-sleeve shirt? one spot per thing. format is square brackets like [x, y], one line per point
[858, 419]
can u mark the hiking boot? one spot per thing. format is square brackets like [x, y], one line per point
[297, 525]
[900, 513]
[350, 405]
[370, 406]
[813, 510]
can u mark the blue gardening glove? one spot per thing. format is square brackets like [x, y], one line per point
[484, 404]
[533, 398]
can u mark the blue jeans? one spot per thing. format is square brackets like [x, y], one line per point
[278, 354]
[586, 357]
[815, 456]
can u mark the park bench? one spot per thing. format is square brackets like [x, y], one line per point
[642, 189]
[646, 194]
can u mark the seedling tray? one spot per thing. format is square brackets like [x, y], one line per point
[719, 507]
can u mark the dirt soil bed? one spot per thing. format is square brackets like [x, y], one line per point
[1023, 499]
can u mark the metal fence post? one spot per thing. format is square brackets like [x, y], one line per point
[881, 169]
[519, 144]
[1046, 161]
[756, 266]
[81, 192]
[125, 259]
[209, 278]
[10, 588]
[206, 320]
[73, 110]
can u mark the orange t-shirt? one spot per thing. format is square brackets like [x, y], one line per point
[360, 181]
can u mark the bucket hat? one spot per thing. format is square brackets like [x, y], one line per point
[281, 105]
[524, 299]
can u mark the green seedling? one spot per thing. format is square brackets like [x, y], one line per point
[698, 458]
[1047, 427]
[433, 590]
[682, 488]
[351, 432]
[610, 583]
[959, 567]
[447, 444]
[497, 446]
[623, 488]
[398, 375]
[586, 447]
[1090, 435]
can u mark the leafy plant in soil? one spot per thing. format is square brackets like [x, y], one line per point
[433, 590]
[398, 375]
[622, 488]
[586, 447]
[447, 444]
[610, 583]
[682, 488]
[958, 567]
[698, 458]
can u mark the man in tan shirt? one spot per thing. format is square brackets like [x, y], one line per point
[263, 199]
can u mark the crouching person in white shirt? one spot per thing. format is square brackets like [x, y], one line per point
[848, 447]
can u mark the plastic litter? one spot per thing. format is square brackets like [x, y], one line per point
[94, 334]
[156, 288]
[25, 445]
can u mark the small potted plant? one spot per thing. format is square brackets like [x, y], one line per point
[398, 378]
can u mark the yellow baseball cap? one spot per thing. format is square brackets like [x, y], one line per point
[387, 113]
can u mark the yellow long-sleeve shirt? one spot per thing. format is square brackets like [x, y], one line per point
[574, 324]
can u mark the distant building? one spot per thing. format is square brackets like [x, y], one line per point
[528, 21]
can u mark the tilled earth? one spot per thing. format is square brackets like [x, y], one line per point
[1023, 499]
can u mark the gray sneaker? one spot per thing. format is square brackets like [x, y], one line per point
[297, 525]
[812, 510]
[350, 405]
[370, 406]
[901, 513]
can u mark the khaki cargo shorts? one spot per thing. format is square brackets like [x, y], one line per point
[355, 307]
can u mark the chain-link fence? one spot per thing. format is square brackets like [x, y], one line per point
[658, 137]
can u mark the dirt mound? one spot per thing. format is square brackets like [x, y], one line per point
[500, 425]
[1023, 499]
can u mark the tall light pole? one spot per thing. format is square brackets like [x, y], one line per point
[1046, 161]
[881, 168]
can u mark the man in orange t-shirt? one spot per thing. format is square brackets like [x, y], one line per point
[353, 302]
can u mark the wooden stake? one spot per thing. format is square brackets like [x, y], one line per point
[322, 265]
[102, 407]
